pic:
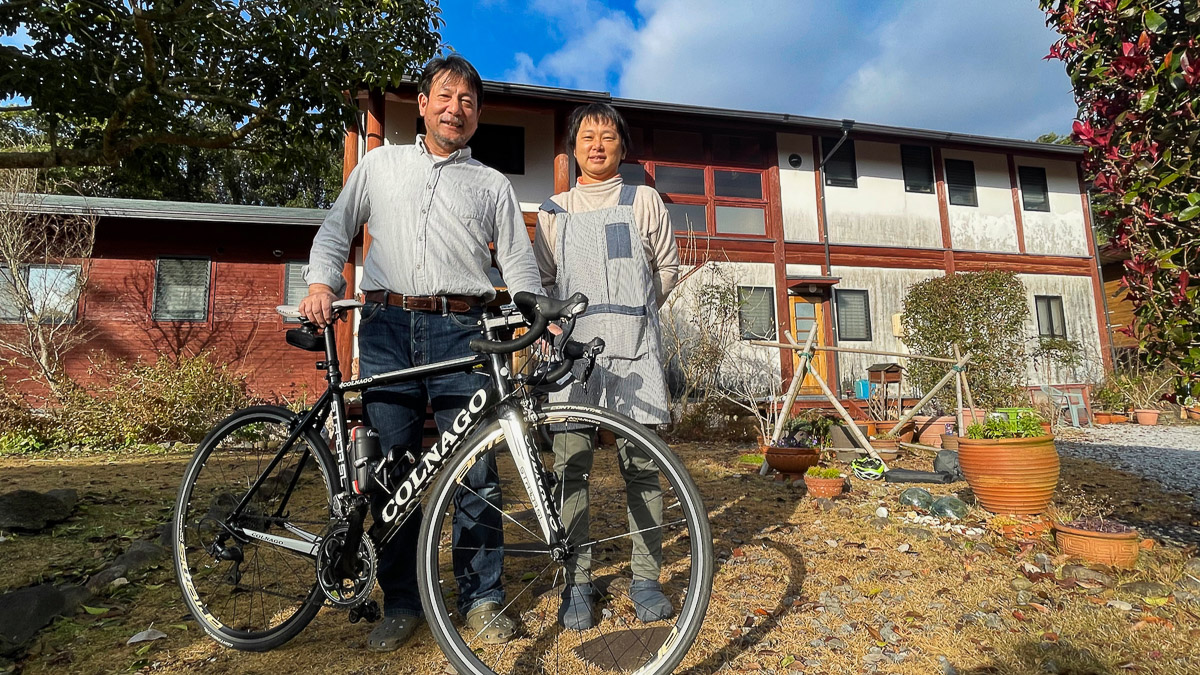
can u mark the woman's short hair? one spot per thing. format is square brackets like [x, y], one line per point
[456, 65]
[598, 111]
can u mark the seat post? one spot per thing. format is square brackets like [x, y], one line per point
[332, 367]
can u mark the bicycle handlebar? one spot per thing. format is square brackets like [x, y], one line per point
[539, 310]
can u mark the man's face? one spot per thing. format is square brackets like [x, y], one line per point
[451, 114]
[598, 149]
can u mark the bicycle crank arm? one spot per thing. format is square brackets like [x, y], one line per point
[308, 548]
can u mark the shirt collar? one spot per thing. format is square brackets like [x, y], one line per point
[460, 155]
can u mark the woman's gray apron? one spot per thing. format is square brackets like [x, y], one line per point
[600, 254]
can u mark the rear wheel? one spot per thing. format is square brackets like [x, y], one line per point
[652, 524]
[248, 593]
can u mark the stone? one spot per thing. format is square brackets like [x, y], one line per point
[947, 667]
[1121, 605]
[918, 497]
[825, 503]
[1192, 567]
[1024, 598]
[140, 555]
[881, 512]
[1147, 589]
[1081, 573]
[917, 533]
[845, 512]
[25, 611]
[1043, 561]
[889, 634]
[67, 496]
[32, 511]
[101, 580]
[879, 523]
[949, 507]
[984, 547]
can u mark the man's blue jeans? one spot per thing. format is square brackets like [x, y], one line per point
[391, 338]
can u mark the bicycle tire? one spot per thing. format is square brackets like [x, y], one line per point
[199, 574]
[551, 651]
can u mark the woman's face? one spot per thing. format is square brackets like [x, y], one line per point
[598, 150]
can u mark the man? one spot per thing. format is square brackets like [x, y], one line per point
[433, 210]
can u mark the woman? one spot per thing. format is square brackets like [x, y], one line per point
[614, 243]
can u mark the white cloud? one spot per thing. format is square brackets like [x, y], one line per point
[596, 44]
[956, 65]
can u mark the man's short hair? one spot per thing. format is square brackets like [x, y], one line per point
[455, 65]
[599, 111]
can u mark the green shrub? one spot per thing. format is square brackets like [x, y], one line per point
[21, 428]
[127, 403]
[1026, 425]
[984, 313]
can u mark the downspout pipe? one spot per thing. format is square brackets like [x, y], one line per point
[847, 125]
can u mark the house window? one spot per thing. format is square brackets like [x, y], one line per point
[53, 291]
[960, 182]
[1051, 322]
[181, 289]
[756, 312]
[918, 168]
[853, 315]
[632, 173]
[294, 288]
[1035, 196]
[840, 169]
[10, 309]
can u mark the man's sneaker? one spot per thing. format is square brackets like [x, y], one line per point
[649, 601]
[392, 632]
[577, 611]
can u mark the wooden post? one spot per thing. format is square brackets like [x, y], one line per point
[793, 389]
[967, 390]
[958, 395]
[854, 430]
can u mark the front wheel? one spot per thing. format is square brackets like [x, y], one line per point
[632, 514]
[250, 592]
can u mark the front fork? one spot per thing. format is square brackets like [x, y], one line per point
[528, 459]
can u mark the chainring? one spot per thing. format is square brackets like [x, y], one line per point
[341, 592]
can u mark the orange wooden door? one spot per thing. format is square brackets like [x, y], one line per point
[806, 311]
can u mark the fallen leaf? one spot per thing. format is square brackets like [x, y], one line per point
[762, 612]
[1019, 615]
[787, 661]
[874, 632]
[1050, 636]
[94, 611]
[147, 635]
[1155, 602]
[1040, 607]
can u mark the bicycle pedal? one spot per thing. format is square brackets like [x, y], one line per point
[368, 611]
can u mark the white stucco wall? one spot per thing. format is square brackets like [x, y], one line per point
[794, 270]
[797, 188]
[879, 212]
[537, 183]
[1061, 231]
[886, 290]
[1079, 313]
[991, 226]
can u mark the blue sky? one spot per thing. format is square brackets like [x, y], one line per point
[956, 65]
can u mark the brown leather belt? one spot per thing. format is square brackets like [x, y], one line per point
[456, 304]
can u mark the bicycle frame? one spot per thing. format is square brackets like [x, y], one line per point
[490, 402]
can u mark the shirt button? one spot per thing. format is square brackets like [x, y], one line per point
[422, 211]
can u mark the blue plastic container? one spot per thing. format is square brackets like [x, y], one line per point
[863, 388]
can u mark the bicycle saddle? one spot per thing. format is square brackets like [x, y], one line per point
[532, 305]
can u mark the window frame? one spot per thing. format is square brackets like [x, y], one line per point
[846, 146]
[642, 153]
[950, 187]
[1053, 302]
[208, 274]
[743, 333]
[904, 167]
[1045, 187]
[837, 311]
[19, 316]
[286, 276]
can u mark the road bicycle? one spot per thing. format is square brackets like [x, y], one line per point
[271, 522]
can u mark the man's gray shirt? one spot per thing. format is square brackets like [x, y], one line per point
[432, 219]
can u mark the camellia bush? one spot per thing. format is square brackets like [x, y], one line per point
[984, 313]
[1135, 67]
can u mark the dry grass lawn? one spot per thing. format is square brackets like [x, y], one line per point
[798, 589]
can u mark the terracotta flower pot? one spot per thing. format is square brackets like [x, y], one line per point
[1120, 418]
[949, 442]
[824, 487]
[888, 449]
[1147, 418]
[1010, 475]
[929, 430]
[790, 460]
[888, 427]
[1193, 413]
[1102, 417]
[1106, 548]
[1048, 428]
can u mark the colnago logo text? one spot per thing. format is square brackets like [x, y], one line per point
[407, 495]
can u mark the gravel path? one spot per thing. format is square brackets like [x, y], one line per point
[1167, 454]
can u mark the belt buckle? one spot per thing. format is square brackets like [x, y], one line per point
[418, 303]
[445, 305]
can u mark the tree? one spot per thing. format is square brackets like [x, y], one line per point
[108, 79]
[43, 271]
[1135, 68]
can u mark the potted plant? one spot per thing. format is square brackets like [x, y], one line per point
[799, 447]
[1191, 407]
[824, 481]
[1010, 464]
[1097, 540]
[1143, 389]
[1108, 405]
[886, 446]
